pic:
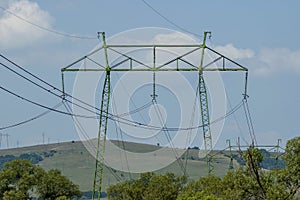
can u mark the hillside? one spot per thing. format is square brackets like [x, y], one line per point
[76, 163]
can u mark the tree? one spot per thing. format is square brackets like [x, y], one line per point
[18, 176]
[206, 188]
[133, 189]
[20, 179]
[54, 185]
[290, 176]
[13, 195]
[197, 196]
[164, 187]
[253, 158]
[149, 186]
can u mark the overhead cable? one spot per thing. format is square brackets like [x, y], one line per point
[168, 20]
[48, 29]
[30, 119]
[110, 116]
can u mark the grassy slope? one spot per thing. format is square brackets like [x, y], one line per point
[76, 163]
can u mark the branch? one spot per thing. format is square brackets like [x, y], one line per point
[256, 173]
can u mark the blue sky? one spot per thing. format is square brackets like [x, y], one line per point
[262, 35]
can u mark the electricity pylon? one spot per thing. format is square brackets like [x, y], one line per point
[129, 63]
[7, 140]
[239, 148]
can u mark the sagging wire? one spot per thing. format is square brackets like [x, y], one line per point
[48, 29]
[31, 119]
[169, 21]
[88, 139]
[110, 116]
[190, 131]
[121, 120]
[119, 131]
[169, 138]
[249, 121]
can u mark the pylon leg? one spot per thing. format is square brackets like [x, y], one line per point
[103, 121]
[206, 124]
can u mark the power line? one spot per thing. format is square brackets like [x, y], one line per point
[189, 134]
[110, 116]
[249, 121]
[115, 118]
[78, 124]
[234, 117]
[169, 21]
[40, 86]
[31, 119]
[118, 130]
[88, 139]
[48, 29]
[61, 96]
[169, 138]
[43, 106]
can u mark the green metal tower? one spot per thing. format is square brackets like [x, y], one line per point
[98, 176]
[129, 63]
[103, 120]
[205, 112]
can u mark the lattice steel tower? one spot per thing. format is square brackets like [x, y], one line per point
[153, 67]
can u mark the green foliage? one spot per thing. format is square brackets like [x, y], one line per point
[6, 158]
[49, 154]
[19, 179]
[197, 196]
[13, 195]
[164, 187]
[61, 198]
[207, 188]
[290, 176]
[54, 185]
[32, 157]
[148, 187]
[292, 156]
[18, 176]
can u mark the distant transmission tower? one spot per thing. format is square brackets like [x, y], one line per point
[231, 155]
[7, 139]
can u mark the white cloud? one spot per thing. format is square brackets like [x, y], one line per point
[173, 38]
[176, 38]
[279, 59]
[267, 61]
[14, 32]
[235, 53]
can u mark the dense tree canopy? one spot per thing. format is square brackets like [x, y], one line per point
[148, 187]
[248, 182]
[20, 179]
[54, 185]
